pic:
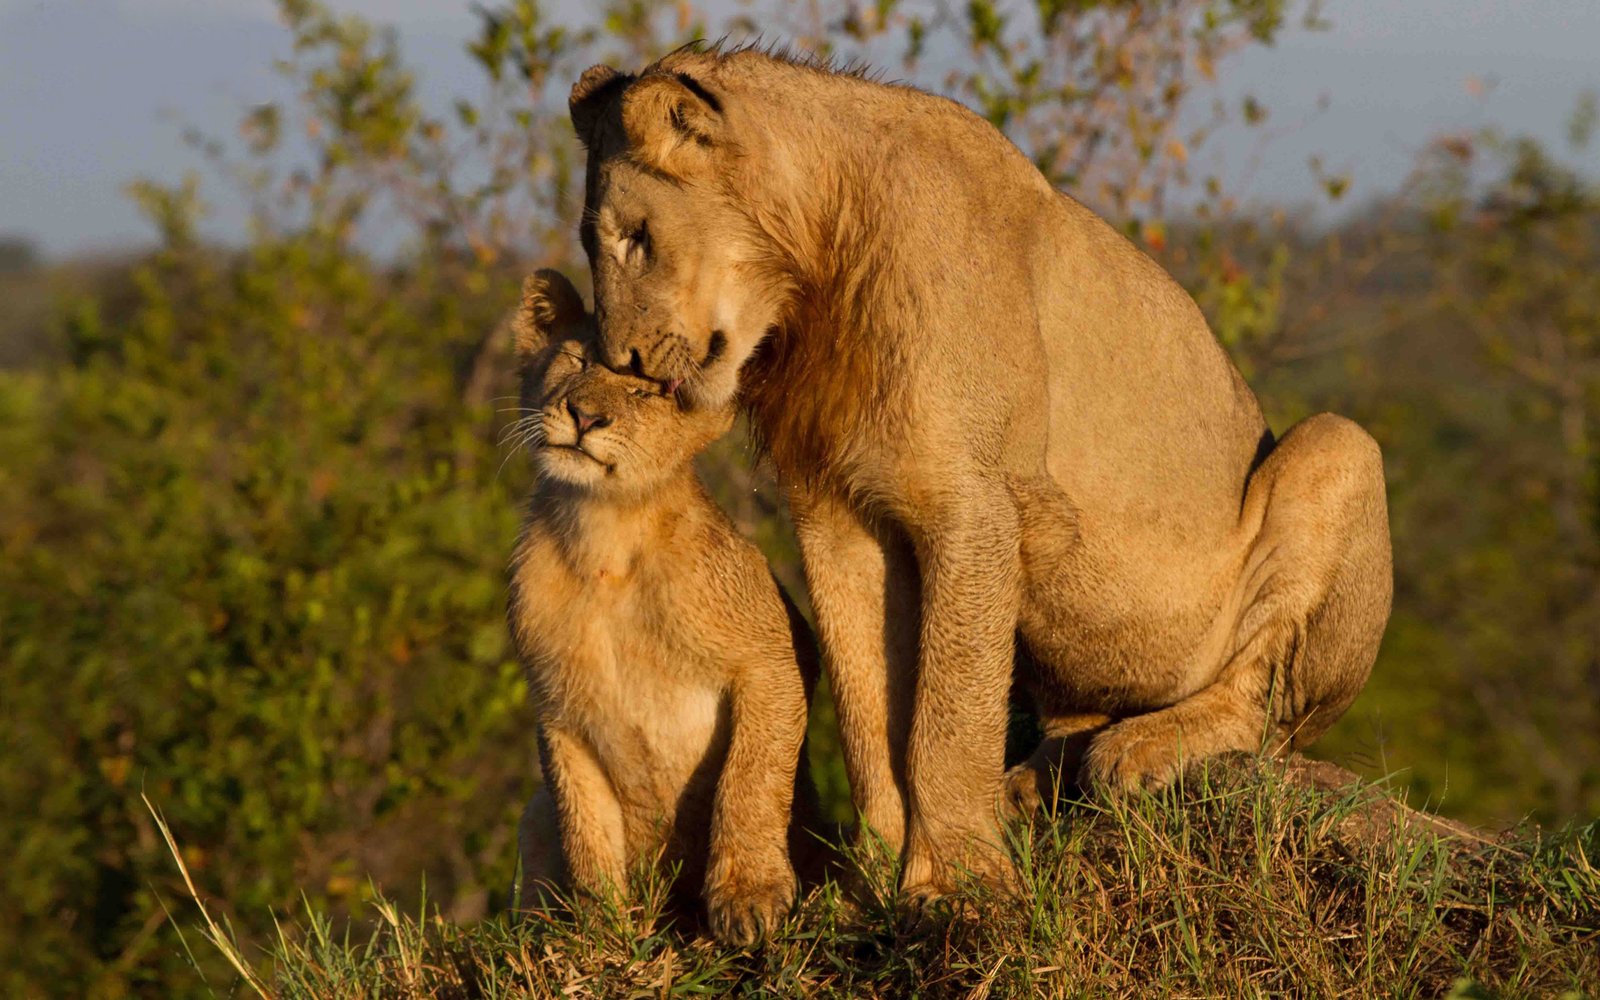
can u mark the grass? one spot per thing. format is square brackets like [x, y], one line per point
[1248, 879]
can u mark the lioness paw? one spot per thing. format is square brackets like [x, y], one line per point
[743, 912]
[1130, 756]
[1020, 794]
[924, 879]
[925, 904]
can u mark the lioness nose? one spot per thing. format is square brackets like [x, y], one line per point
[584, 421]
[616, 355]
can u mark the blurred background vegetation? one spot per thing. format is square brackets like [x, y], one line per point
[254, 515]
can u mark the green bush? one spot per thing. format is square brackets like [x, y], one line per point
[253, 569]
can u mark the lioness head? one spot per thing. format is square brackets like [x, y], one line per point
[684, 287]
[589, 427]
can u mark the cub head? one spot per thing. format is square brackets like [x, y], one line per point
[685, 287]
[591, 428]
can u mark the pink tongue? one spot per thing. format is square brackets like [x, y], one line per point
[673, 385]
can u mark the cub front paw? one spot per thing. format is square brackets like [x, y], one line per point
[744, 911]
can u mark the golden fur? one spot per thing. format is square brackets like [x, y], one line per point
[670, 673]
[993, 416]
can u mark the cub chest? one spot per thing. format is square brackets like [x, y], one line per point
[610, 663]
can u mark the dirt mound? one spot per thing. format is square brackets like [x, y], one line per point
[1372, 814]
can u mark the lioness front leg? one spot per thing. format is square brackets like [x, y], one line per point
[750, 882]
[863, 584]
[971, 594]
[587, 813]
[539, 852]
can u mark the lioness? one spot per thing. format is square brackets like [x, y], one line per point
[670, 673]
[991, 413]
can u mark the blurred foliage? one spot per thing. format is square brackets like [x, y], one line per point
[1486, 397]
[17, 253]
[252, 567]
[256, 517]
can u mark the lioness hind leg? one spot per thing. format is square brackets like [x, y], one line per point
[1048, 774]
[1148, 751]
[1327, 500]
[1314, 598]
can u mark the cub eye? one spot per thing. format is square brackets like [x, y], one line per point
[641, 393]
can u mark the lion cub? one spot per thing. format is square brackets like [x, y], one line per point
[670, 673]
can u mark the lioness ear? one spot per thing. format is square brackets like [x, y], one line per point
[589, 97]
[549, 305]
[674, 124]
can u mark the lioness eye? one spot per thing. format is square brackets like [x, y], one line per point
[639, 239]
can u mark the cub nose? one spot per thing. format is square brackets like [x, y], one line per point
[585, 421]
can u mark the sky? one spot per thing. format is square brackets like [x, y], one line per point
[94, 93]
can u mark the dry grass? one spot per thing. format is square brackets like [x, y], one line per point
[1248, 880]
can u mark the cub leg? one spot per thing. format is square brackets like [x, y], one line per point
[864, 588]
[1314, 594]
[588, 814]
[750, 882]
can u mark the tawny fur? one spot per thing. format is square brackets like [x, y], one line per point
[994, 416]
[670, 673]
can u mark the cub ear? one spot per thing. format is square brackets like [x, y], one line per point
[594, 90]
[549, 306]
[673, 123]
